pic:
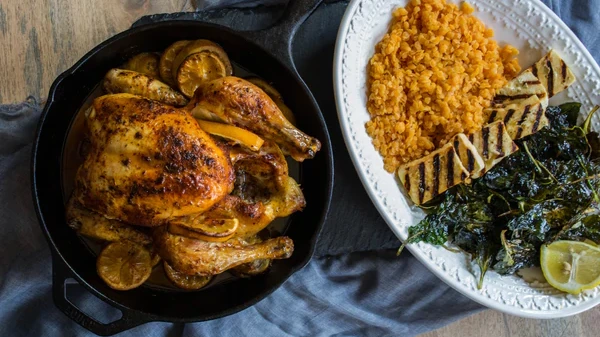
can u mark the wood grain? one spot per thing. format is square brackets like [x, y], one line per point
[41, 39]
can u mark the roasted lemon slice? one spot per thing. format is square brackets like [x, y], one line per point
[571, 266]
[145, 63]
[275, 96]
[197, 69]
[124, 265]
[183, 281]
[199, 61]
[165, 65]
[154, 259]
[214, 230]
[233, 134]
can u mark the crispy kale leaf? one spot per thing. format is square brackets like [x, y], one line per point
[546, 191]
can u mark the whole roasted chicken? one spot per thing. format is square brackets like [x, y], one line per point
[154, 177]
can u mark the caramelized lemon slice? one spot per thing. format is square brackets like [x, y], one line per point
[571, 266]
[145, 63]
[214, 230]
[233, 134]
[124, 265]
[275, 96]
[165, 65]
[202, 46]
[183, 281]
[197, 69]
[154, 259]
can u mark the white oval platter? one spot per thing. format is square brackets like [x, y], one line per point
[526, 24]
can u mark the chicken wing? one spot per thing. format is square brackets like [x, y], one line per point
[239, 102]
[95, 226]
[149, 162]
[119, 81]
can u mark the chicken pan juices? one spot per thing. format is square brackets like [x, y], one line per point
[184, 165]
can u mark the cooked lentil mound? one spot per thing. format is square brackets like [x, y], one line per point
[432, 75]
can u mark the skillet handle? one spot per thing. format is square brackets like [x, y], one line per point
[277, 39]
[60, 274]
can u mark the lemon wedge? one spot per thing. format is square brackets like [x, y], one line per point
[233, 134]
[571, 266]
[124, 265]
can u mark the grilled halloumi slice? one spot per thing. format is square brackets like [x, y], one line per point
[493, 144]
[468, 154]
[433, 174]
[522, 118]
[553, 73]
[525, 85]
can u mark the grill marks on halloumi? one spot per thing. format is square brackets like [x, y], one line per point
[553, 73]
[433, 174]
[522, 87]
[522, 118]
[468, 154]
[493, 144]
[517, 111]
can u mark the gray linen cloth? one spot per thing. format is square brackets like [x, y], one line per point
[357, 294]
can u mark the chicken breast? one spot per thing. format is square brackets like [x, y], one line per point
[433, 174]
[149, 162]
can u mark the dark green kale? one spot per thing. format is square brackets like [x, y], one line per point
[546, 191]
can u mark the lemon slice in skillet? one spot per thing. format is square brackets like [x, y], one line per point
[199, 61]
[233, 134]
[145, 63]
[571, 266]
[165, 65]
[183, 281]
[124, 265]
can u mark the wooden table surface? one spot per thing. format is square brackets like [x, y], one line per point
[42, 38]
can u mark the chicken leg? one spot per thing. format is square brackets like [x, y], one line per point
[198, 257]
[241, 103]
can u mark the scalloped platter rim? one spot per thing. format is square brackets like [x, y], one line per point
[526, 24]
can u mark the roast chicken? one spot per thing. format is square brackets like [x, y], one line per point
[236, 101]
[150, 165]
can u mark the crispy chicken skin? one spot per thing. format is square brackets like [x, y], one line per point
[198, 257]
[263, 191]
[131, 82]
[149, 162]
[241, 103]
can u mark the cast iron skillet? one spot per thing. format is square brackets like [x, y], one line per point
[266, 53]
